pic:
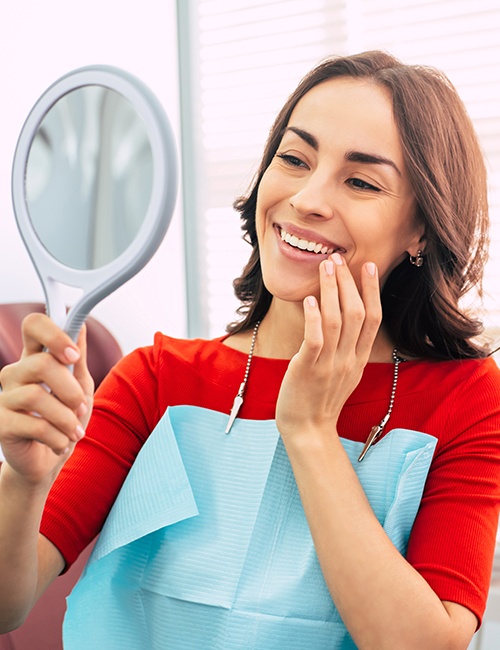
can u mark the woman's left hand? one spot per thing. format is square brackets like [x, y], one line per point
[338, 339]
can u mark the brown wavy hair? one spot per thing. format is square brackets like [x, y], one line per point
[420, 306]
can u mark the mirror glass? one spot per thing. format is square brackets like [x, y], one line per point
[94, 184]
[90, 160]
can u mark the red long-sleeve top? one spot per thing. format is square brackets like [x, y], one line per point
[453, 538]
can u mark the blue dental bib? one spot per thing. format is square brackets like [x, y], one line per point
[207, 546]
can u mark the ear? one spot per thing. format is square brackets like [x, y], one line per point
[418, 241]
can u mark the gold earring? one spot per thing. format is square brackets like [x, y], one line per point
[418, 260]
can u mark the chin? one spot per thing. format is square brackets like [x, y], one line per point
[290, 294]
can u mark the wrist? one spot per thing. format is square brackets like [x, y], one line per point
[311, 439]
[14, 483]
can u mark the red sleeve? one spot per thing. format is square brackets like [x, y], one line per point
[128, 406]
[453, 540]
[125, 412]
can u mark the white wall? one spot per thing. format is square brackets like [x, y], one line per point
[40, 42]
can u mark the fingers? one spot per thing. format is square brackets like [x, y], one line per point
[80, 370]
[40, 332]
[312, 345]
[334, 301]
[348, 321]
[42, 400]
[370, 291]
[52, 424]
[28, 411]
[361, 314]
[43, 368]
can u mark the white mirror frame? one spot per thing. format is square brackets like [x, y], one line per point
[97, 283]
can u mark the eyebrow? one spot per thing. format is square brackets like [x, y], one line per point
[371, 159]
[351, 156]
[305, 135]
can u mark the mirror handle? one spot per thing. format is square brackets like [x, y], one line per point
[56, 308]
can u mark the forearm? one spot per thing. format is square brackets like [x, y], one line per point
[20, 513]
[38, 431]
[382, 600]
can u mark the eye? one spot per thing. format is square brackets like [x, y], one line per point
[362, 185]
[291, 160]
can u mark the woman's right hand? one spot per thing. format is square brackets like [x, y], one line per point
[44, 407]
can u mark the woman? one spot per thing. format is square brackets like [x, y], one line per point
[353, 501]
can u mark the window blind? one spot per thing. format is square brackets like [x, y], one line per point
[240, 61]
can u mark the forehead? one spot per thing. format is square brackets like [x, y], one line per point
[358, 110]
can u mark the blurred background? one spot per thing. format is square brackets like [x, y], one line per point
[222, 70]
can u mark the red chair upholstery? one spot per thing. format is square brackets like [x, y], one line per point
[42, 629]
[103, 348]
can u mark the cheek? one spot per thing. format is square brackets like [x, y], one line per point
[259, 219]
[386, 249]
[384, 269]
[388, 269]
[264, 203]
[355, 265]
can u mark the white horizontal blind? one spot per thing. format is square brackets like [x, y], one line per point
[247, 56]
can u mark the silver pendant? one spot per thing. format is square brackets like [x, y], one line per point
[372, 437]
[238, 401]
[377, 430]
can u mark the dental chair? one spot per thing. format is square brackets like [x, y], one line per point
[103, 349]
[42, 629]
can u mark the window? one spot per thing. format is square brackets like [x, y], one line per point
[239, 62]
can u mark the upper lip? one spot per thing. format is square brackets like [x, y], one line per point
[309, 235]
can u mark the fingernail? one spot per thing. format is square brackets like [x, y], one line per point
[80, 432]
[371, 268]
[329, 267]
[338, 259]
[71, 354]
[311, 301]
[82, 410]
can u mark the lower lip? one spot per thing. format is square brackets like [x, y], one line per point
[297, 254]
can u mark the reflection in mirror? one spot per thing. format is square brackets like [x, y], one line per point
[89, 174]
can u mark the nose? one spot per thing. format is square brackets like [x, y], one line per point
[315, 197]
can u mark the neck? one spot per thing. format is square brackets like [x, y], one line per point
[282, 331]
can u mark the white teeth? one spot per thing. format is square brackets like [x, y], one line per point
[306, 245]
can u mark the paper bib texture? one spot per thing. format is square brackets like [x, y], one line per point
[207, 546]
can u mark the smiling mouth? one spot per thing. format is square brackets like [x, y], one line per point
[309, 246]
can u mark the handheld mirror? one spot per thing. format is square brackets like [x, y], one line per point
[94, 184]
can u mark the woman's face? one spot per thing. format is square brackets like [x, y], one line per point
[338, 182]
